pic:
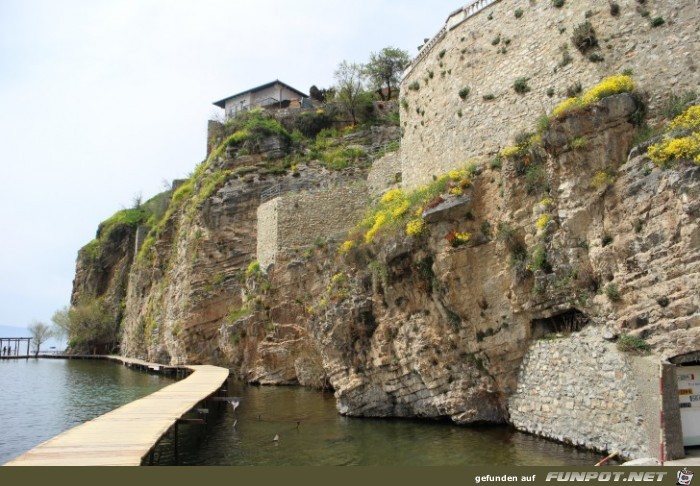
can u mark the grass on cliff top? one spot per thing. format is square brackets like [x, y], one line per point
[402, 211]
[126, 218]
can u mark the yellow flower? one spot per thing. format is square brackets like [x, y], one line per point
[393, 195]
[609, 86]
[401, 209]
[463, 237]
[566, 105]
[543, 221]
[620, 83]
[347, 246]
[511, 151]
[547, 202]
[415, 227]
[676, 149]
[688, 120]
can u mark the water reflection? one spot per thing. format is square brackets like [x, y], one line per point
[40, 398]
[322, 437]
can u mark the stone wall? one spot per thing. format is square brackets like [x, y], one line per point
[385, 173]
[582, 390]
[295, 220]
[488, 51]
[267, 232]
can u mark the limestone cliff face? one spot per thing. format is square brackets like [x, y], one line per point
[419, 328]
[182, 289]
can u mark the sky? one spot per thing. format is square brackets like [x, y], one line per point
[102, 101]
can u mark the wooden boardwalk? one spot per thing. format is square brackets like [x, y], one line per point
[125, 436]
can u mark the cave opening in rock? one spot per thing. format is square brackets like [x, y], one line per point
[564, 323]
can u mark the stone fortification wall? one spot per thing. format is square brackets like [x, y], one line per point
[491, 48]
[295, 220]
[268, 214]
[582, 390]
[385, 174]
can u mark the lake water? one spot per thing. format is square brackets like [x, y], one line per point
[40, 398]
[322, 437]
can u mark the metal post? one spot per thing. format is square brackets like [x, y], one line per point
[661, 414]
[175, 443]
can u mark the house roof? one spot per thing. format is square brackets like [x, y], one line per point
[222, 103]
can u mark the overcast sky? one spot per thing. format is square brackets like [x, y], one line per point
[103, 100]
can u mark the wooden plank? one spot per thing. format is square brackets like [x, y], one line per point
[126, 435]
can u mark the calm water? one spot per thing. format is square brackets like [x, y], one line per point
[325, 438]
[41, 398]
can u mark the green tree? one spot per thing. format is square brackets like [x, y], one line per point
[349, 77]
[385, 68]
[90, 326]
[40, 333]
[61, 322]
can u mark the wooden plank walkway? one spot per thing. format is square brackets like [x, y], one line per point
[125, 436]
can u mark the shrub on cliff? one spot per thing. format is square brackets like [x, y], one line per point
[584, 37]
[682, 141]
[609, 86]
[399, 210]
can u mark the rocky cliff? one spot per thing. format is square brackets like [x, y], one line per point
[542, 257]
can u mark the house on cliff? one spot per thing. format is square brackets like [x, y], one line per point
[272, 95]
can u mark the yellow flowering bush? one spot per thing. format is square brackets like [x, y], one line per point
[566, 105]
[415, 227]
[543, 221]
[679, 148]
[676, 149]
[612, 85]
[688, 120]
[547, 202]
[513, 151]
[379, 221]
[401, 209]
[398, 209]
[392, 195]
[347, 246]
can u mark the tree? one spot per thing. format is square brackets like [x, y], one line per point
[315, 93]
[61, 321]
[349, 87]
[385, 69]
[40, 333]
[92, 326]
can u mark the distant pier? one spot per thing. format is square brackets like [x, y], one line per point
[11, 348]
[126, 436]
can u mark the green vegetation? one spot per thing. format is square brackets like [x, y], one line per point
[677, 104]
[609, 86]
[399, 210]
[520, 85]
[657, 22]
[89, 326]
[681, 140]
[558, 3]
[584, 37]
[612, 292]
[633, 344]
[518, 13]
[385, 68]
[464, 92]
[614, 9]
